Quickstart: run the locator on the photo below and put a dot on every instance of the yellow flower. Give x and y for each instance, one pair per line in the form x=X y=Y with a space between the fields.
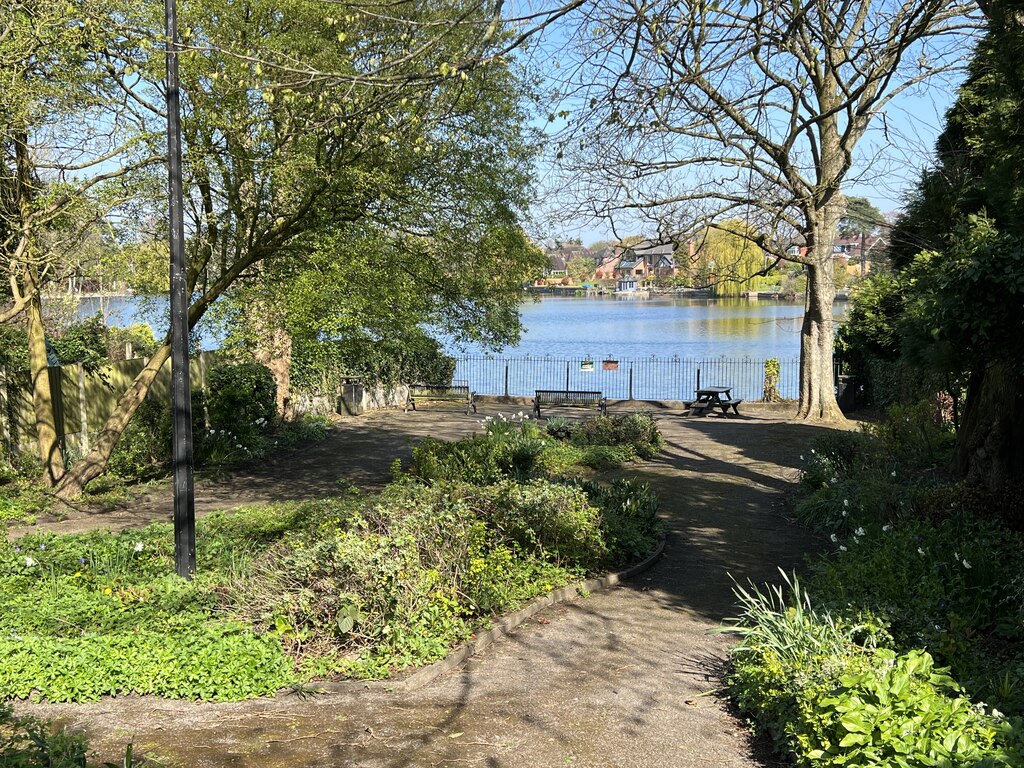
x=108 y=591
x=78 y=575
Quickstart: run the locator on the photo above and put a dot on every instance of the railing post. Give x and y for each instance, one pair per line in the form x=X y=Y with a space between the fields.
x=698 y=378
x=506 y=379
x=566 y=375
x=630 y=381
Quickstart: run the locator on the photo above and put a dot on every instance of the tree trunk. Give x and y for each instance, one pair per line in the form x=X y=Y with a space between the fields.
x=273 y=348
x=95 y=463
x=990 y=442
x=817 y=377
x=48 y=446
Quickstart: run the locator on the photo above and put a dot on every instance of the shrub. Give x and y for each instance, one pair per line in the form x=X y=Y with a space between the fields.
x=827 y=700
x=629 y=519
x=638 y=430
x=145 y=445
x=241 y=399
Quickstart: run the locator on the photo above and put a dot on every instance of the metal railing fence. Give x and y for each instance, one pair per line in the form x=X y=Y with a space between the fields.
x=650 y=378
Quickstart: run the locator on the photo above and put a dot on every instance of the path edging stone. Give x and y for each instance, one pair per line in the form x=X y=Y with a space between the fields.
x=501 y=627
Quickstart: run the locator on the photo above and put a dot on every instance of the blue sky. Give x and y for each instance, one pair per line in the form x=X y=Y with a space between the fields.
x=889 y=159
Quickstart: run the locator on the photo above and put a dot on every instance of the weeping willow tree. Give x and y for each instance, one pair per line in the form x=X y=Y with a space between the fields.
x=728 y=260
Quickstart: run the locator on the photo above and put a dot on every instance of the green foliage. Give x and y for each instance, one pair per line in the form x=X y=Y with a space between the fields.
x=96 y=614
x=145 y=446
x=772 y=373
x=13 y=347
x=320 y=366
x=516 y=448
x=358 y=586
x=84 y=342
x=380 y=583
x=874 y=476
x=26 y=742
x=827 y=695
x=639 y=431
x=242 y=397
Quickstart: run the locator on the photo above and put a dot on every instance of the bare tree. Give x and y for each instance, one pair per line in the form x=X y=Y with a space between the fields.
x=691 y=112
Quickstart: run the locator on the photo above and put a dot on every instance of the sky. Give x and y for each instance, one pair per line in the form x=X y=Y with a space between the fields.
x=889 y=158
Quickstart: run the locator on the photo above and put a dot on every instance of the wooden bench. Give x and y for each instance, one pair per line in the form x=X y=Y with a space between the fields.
x=570 y=398
x=452 y=393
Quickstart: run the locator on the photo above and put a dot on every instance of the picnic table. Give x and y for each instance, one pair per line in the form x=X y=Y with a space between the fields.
x=710 y=398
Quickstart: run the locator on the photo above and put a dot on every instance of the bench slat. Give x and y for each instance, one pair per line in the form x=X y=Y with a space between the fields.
x=569 y=397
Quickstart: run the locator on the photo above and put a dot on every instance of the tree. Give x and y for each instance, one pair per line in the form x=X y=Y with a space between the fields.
x=580 y=269
x=691 y=113
x=957 y=297
x=727 y=258
x=70 y=143
x=860 y=218
x=302 y=120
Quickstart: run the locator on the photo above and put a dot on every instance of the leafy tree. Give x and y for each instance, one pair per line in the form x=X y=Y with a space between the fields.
x=304 y=120
x=580 y=269
x=955 y=304
x=70 y=143
x=729 y=253
x=860 y=218
x=688 y=113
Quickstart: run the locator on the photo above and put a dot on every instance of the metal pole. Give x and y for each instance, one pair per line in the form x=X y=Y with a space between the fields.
x=506 y=379
x=630 y=381
x=181 y=401
x=698 y=378
x=567 y=377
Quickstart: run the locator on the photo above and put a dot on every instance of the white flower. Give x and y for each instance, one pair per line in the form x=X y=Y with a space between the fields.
x=801 y=457
x=812 y=450
x=846 y=502
x=844 y=513
x=886 y=528
x=967 y=565
x=138 y=546
x=859 y=532
x=956 y=555
x=893 y=473
x=996 y=712
x=920 y=552
x=834 y=538
x=842 y=548
x=29 y=561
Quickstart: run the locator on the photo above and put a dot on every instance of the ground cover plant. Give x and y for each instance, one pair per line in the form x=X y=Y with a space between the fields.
x=359 y=585
x=912 y=652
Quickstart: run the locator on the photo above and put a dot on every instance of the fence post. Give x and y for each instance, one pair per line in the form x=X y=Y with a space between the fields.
x=698 y=378
x=506 y=379
x=83 y=405
x=567 y=376
x=5 y=429
x=630 y=381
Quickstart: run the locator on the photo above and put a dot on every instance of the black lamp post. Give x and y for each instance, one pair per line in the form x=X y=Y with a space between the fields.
x=181 y=400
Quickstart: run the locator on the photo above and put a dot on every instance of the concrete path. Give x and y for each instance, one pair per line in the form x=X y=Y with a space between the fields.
x=623 y=678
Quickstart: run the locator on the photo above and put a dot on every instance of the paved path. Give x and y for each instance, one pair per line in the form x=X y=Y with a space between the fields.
x=623 y=678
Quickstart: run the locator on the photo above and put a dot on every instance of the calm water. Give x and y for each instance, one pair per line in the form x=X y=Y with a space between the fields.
x=603 y=327
x=663 y=346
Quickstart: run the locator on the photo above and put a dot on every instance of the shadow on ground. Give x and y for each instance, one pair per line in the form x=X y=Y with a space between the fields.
x=626 y=677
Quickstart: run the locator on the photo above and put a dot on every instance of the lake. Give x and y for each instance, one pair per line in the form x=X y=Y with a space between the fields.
x=570 y=327
x=654 y=348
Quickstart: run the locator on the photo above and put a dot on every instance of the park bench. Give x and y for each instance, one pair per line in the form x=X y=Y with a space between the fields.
x=451 y=393
x=570 y=398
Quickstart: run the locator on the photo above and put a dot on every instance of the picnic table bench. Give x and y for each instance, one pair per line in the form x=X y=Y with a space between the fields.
x=454 y=393
x=709 y=398
x=571 y=398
